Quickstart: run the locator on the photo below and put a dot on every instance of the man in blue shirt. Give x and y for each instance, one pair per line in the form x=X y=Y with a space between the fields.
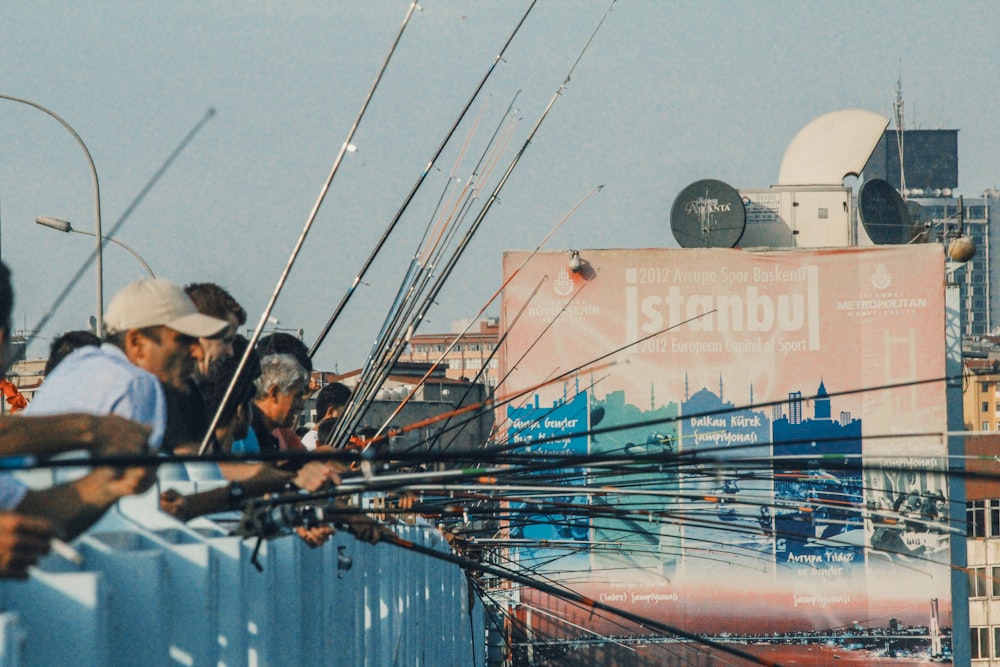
x=65 y=510
x=152 y=337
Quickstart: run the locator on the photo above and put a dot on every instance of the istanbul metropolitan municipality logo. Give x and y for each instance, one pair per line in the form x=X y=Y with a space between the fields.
x=881 y=278
x=563 y=284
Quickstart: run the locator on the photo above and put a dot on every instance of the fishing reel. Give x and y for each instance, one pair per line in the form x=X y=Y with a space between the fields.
x=268 y=520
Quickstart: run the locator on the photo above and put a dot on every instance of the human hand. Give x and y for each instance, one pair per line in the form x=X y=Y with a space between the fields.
x=317 y=536
x=117 y=436
x=174 y=504
x=23 y=540
x=104 y=485
x=315 y=475
x=364 y=528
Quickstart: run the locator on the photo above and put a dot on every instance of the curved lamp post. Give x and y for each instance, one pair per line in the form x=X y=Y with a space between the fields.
x=99 y=326
x=66 y=226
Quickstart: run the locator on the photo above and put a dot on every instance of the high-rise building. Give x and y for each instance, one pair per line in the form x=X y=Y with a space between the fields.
x=930 y=160
x=927 y=175
x=979 y=217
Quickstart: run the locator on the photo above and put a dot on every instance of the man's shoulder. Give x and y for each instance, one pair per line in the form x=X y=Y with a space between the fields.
x=88 y=377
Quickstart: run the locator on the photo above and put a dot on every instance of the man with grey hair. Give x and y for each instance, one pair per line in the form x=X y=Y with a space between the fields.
x=281 y=390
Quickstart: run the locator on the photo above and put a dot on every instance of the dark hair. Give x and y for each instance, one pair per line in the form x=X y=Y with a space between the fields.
x=210 y=299
x=66 y=343
x=6 y=297
x=213 y=387
x=333 y=395
x=285 y=343
x=118 y=338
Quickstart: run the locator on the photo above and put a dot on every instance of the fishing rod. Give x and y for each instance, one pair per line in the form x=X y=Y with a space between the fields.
x=391 y=339
x=496 y=348
x=266 y=522
x=482 y=310
x=416 y=186
x=446 y=427
x=305 y=229
x=383 y=356
x=642 y=423
x=500 y=598
x=487 y=206
x=119 y=222
x=569 y=595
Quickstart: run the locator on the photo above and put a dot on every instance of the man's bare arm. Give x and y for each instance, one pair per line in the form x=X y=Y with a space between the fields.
x=47 y=435
x=74 y=507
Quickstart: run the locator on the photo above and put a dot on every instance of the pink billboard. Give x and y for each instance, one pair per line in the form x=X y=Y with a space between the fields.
x=776 y=419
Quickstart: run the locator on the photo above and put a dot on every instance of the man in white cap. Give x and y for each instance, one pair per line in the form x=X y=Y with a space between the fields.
x=29 y=519
x=152 y=337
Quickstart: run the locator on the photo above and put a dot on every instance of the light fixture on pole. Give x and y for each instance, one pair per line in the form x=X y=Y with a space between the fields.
x=99 y=325
x=66 y=226
x=575 y=263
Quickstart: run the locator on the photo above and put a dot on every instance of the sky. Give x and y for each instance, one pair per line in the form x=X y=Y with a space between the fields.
x=665 y=94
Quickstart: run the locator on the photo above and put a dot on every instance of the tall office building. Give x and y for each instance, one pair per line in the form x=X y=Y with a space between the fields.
x=928 y=177
x=980 y=306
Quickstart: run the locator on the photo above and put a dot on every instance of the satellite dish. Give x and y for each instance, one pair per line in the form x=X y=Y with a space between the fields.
x=884 y=213
x=921 y=223
x=708 y=214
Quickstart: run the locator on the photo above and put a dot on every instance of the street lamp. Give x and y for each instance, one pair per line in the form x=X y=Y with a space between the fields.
x=99 y=326
x=65 y=226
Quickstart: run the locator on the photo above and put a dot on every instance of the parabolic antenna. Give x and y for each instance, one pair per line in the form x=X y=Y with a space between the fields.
x=884 y=213
x=708 y=214
x=922 y=223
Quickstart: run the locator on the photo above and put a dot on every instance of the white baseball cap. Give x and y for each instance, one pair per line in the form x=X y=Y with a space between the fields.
x=154 y=302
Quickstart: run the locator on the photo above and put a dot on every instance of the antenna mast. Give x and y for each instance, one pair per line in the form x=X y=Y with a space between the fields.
x=897 y=108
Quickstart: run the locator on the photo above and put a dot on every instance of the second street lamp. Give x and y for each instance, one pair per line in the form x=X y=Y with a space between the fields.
x=66 y=226
x=98 y=234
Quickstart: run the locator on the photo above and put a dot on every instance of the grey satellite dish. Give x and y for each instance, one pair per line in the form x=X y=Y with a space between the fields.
x=920 y=231
x=884 y=213
x=708 y=214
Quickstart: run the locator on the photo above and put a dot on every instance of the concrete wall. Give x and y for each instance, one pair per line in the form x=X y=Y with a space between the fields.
x=152 y=591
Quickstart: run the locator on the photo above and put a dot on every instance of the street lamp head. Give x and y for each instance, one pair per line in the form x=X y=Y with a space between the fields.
x=54 y=223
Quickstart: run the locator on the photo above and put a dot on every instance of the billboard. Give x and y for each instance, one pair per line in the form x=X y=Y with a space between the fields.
x=777 y=406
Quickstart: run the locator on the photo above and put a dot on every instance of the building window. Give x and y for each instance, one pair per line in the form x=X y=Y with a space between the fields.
x=994 y=510
x=984 y=386
x=975 y=519
x=979 y=646
x=996 y=641
x=996 y=583
x=977 y=582
x=458 y=348
x=986 y=406
x=985 y=426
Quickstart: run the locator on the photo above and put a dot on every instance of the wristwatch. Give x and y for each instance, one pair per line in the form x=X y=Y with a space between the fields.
x=237 y=494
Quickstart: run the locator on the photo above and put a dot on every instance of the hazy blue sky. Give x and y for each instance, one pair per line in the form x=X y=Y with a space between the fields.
x=669 y=92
